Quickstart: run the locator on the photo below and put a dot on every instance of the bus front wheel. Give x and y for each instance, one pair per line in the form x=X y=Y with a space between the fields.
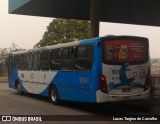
x=18 y=88
x=54 y=95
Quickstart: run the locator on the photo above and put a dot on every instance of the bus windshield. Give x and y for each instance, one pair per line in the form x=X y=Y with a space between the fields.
x=122 y=51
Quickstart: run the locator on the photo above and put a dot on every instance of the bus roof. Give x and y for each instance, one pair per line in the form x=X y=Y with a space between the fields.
x=63 y=45
x=19 y=52
x=81 y=42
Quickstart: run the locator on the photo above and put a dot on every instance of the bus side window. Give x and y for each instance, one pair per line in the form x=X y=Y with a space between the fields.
x=27 y=61
x=21 y=64
x=68 y=58
x=30 y=61
x=84 y=58
x=44 y=60
x=10 y=63
x=38 y=60
x=16 y=61
x=36 y=63
x=55 y=61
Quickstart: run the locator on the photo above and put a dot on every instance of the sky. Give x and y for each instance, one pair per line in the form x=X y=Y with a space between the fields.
x=26 y=31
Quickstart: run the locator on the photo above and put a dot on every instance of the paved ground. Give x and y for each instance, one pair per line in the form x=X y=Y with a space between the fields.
x=13 y=104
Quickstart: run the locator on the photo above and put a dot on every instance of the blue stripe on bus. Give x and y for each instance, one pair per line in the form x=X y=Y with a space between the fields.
x=75 y=86
x=92 y=40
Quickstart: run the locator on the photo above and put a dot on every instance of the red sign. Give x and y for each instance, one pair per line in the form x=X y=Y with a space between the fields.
x=124 y=50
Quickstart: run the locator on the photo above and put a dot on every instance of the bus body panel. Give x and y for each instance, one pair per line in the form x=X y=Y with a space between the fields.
x=12 y=77
x=36 y=81
x=126 y=69
x=125 y=80
x=121 y=91
x=75 y=86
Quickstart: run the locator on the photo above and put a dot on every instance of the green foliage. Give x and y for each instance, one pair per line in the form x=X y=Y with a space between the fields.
x=64 y=30
x=3 y=61
x=14 y=47
x=3 y=55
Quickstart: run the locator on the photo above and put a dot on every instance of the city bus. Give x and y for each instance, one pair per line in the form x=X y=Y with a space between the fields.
x=96 y=70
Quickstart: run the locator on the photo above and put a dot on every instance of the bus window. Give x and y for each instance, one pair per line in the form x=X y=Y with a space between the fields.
x=44 y=60
x=67 y=58
x=22 y=64
x=10 y=63
x=30 y=61
x=16 y=61
x=84 y=58
x=55 y=59
x=36 y=62
x=27 y=61
x=29 y=58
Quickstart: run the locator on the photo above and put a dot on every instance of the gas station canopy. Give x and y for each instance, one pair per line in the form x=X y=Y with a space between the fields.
x=141 y=12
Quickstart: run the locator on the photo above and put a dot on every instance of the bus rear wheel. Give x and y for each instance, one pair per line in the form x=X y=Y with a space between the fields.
x=54 y=95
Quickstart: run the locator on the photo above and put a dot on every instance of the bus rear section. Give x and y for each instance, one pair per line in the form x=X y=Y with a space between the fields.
x=125 y=69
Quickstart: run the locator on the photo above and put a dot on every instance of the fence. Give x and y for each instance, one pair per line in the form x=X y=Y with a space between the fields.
x=156 y=84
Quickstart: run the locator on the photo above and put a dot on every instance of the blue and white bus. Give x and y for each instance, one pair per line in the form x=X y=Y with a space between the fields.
x=96 y=70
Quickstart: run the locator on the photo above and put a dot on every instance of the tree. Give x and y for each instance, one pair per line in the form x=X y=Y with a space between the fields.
x=3 y=60
x=14 y=47
x=4 y=57
x=64 y=30
x=3 y=54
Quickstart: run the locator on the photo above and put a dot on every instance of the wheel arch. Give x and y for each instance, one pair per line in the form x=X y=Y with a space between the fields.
x=50 y=86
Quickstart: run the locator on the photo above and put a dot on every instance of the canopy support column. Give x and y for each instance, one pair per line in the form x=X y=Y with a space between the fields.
x=94 y=17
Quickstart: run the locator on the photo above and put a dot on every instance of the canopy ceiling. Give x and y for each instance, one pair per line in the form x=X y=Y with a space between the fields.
x=142 y=12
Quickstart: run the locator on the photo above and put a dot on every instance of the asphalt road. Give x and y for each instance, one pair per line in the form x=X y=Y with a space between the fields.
x=73 y=112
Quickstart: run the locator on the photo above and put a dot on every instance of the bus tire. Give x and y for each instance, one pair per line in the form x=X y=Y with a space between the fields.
x=54 y=95
x=18 y=88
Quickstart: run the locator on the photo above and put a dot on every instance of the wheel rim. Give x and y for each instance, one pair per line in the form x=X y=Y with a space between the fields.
x=18 y=88
x=54 y=95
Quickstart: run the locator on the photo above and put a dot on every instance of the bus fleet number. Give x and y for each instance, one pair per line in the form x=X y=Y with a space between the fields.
x=140 y=74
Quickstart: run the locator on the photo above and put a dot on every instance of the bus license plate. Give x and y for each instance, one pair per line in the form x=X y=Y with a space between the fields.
x=126 y=90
